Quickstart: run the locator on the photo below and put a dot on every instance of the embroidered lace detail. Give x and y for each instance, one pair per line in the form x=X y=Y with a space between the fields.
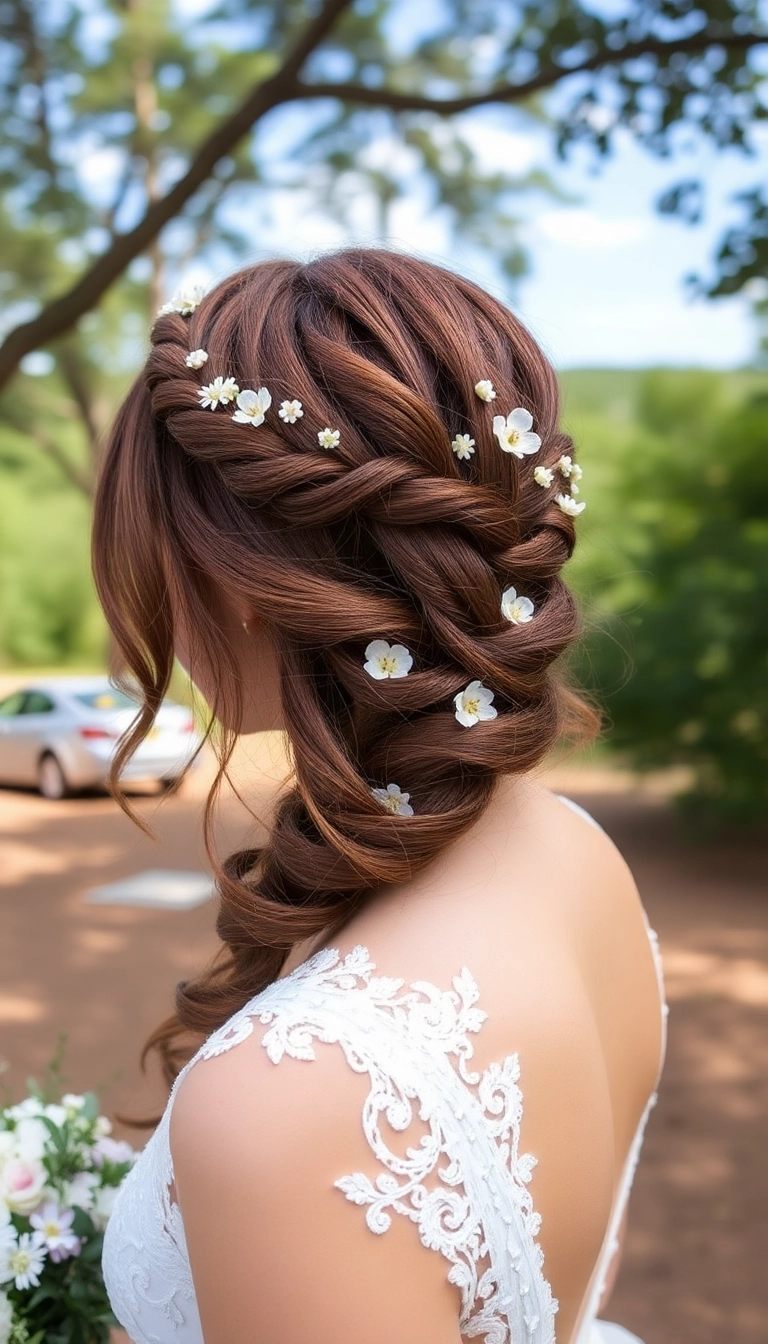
x=461 y=1180
x=479 y=1214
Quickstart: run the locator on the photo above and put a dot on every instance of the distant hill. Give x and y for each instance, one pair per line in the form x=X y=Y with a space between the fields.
x=613 y=392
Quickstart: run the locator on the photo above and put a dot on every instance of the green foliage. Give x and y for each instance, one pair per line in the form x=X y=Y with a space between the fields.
x=49 y=615
x=674 y=575
x=105 y=108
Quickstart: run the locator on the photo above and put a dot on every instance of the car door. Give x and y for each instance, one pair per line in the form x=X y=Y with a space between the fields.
x=12 y=728
x=36 y=722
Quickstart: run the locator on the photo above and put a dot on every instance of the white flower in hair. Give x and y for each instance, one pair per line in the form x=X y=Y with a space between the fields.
x=196 y=359
x=518 y=610
x=543 y=475
x=328 y=438
x=252 y=406
x=485 y=390
x=576 y=473
x=569 y=505
x=393 y=800
x=463 y=446
x=564 y=465
x=387 y=660
x=220 y=391
x=514 y=433
x=184 y=301
x=290 y=411
x=474 y=704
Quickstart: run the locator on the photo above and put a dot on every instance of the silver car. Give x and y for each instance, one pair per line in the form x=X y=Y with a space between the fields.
x=60 y=734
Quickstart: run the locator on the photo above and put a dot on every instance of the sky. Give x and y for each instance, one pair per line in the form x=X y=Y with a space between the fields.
x=606 y=280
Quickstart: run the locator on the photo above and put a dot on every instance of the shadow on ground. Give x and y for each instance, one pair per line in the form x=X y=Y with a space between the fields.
x=694 y=1266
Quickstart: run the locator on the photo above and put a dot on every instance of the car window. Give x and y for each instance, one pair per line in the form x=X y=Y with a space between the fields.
x=108 y=698
x=38 y=703
x=12 y=705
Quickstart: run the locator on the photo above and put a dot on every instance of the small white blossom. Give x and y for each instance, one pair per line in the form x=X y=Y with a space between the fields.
x=184 y=301
x=221 y=390
x=111 y=1150
x=196 y=359
x=8 y=1237
x=56 y=1112
x=576 y=473
x=485 y=390
x=569 y=505
x=564 y=465
x=518 y=610
x=393 y=800
x=103 y=1125
x=290 y=411
x=543 y=475
x=54 y=1224
x=387 y=660
x=252 y=406
x=73 y=1101
x=574 y=487
x=29 y=1106
x=80 y=1192
x=23 y=1263
x=463 y=446
x=474 y=704
x=514 y=433
x=328 y=438
x=31 y=1137
x=6 y=1318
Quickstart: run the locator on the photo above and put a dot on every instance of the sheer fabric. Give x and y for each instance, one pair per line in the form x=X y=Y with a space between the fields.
x=464 y=1183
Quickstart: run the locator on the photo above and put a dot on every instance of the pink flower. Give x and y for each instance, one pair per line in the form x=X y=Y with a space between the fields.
x=22 y=1183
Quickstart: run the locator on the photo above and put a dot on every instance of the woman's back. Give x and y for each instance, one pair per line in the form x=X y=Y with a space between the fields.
x=537 y=903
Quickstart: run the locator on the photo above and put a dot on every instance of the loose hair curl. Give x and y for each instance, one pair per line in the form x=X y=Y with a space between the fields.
x=388 y=535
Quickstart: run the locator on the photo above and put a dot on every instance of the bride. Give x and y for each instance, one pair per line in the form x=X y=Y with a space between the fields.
x=408 y=1095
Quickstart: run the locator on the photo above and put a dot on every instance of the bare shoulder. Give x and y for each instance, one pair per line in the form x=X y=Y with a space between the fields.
x=276 y=1249
x=609 y=926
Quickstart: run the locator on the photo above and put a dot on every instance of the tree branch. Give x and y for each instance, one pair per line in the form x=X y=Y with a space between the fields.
x=73 y=473
x=370 y=96
x=284 y=87
x=74 y=376
x=64 y=312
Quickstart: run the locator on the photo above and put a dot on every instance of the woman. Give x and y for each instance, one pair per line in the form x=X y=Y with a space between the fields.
x=339 y=494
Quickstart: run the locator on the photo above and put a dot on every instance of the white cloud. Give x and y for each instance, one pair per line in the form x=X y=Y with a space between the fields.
x=587 y=231
x=497 y=148
x=639 y=332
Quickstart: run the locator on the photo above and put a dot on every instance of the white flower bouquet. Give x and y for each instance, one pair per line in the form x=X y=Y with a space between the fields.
x=59 y=1173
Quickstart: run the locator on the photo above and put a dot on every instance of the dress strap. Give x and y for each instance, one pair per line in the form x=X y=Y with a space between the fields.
x=582 y=811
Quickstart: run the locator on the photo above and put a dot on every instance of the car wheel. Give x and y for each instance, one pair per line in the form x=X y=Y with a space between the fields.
x=51 y=780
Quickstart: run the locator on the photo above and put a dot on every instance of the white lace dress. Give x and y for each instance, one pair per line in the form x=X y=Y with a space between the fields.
x=465 y=1187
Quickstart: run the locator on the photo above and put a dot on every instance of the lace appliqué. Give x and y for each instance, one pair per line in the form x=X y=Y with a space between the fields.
x=479 y=1214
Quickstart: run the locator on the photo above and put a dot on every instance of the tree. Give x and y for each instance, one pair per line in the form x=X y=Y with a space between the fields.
x=679 y=646
x=174 y=103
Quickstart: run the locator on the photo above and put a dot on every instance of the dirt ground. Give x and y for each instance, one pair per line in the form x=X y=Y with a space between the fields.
x=695 y=1263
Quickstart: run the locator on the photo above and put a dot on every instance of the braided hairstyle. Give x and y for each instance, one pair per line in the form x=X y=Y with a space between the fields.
x=388 y=535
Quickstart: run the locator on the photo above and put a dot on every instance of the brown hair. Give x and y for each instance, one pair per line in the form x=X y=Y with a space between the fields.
x=389 y=535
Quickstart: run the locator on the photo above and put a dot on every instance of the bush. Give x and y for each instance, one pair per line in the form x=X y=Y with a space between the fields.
x=679 y=646
x=48 y=614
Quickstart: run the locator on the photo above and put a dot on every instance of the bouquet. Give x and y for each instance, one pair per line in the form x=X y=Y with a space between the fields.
x=59 y=1173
